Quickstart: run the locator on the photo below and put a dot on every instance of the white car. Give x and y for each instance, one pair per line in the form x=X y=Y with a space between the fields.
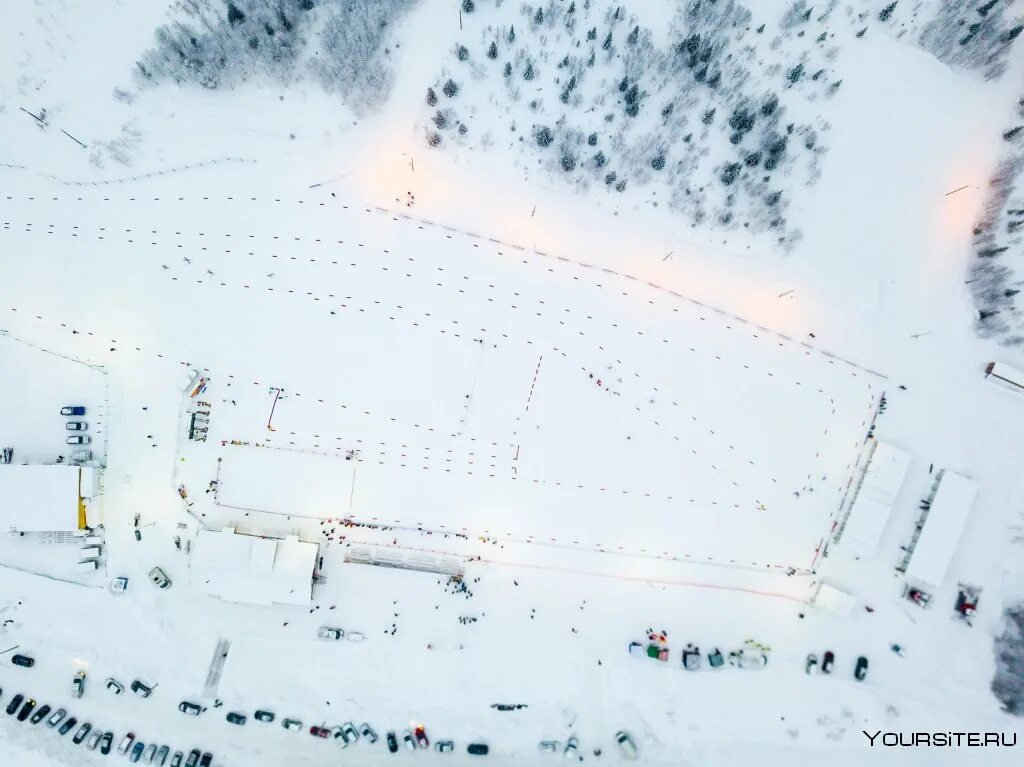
x=409 y=740
x=346 y=734
x=550 y=746
x=330 y=632
x=76 y=426
x=368 y=732
x=292 y=724
x=746 y=658
x=126 y=743
x=94 y=739
x=78 y=685
x=626 y=744
x=116 y=687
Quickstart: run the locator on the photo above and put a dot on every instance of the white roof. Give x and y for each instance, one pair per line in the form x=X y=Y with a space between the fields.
x=38 y=498
x=943 y=528
x=870 y=511
x=253 y=569
x=834 y=599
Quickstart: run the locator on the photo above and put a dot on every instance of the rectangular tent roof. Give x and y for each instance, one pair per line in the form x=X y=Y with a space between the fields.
x=870 y=511
x=38 y=498
x=943 y=528
x=253 y=569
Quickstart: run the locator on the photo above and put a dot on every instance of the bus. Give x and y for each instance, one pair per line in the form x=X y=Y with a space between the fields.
x=1005 y=374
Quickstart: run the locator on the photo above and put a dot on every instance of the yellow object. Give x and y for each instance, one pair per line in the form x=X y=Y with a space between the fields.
x=81 y=504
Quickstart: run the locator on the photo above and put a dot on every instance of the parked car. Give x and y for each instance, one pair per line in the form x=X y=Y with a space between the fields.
x=78 y=685
x=572 y=748
x=40 y=714
x=161 y=754
x=550 y=746
x=355 y=636
x=193 y=758
x=291 y=724
x=137 y=750
x=159 y=577
x=177 y=759
x=861 y=669
x=72 y=410
x=114 y=686
x=126 y=743
x=421 y=737
x=83 y=731
x=65 y=728
x=827 y=661
x=93 y=740
x=15 y=702
x=205 y=759
x=150 y=753
x=57 y=718
x=141 y=689
x=626 y=744
x=329 y=632
x=23 y=660
x=76 y=426
x=192 y=709
x=119 y=585
x=105 y=742
x=264 y=716
x=409 y=740
x=234 y=717
x=26 y=709
x=444 y=746
x=347 y=734
x=81 y=456
x=79 y=439
x=478 y=749
x=392 y=741
x=811 y=664
x=319 y=732
x=368 y=732
x=746 y=658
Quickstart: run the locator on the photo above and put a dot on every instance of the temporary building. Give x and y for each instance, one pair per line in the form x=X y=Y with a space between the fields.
x=253 y=569
x=876 y=496
x=39 y=498
x=943 y=528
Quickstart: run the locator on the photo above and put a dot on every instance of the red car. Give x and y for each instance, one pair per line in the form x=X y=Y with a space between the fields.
x=421 y=737
x=319 y=732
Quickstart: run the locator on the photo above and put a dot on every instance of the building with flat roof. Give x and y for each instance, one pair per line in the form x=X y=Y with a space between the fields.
x=253 y=569
x=37 y=498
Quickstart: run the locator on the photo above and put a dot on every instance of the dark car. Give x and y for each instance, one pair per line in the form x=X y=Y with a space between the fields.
x=177 y=759
x=192 y=709
x=83 y=731
x=72 y=410
x=861 y=669
x=206 y=759
x=478 y=749
x=235 y=718
x=421 y=737
x=26 y=710
x=264 y=716
x=137 y=750
x=193 y=758
x=67 y=726
x=15 y=702
x=40 y=714
x=392 y=742
x=106 y=742
x=161 y=755
x=141 y=689
x=319 y=732
x=827 y=661
x=23 y=660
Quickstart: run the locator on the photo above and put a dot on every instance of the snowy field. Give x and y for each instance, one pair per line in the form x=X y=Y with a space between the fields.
x=612 y=420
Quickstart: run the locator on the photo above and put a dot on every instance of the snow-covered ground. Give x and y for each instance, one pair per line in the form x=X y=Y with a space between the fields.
x=612 y=421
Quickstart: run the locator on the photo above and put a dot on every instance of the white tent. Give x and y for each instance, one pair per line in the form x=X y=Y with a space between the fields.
x=869 y=514
x=943 y=528
x=253 y=569
x=834 y=600
x=39 y=498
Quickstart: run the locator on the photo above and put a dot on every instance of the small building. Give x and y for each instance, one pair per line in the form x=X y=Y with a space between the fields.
x=253 y=569
x=40 y=498
x=869 y=513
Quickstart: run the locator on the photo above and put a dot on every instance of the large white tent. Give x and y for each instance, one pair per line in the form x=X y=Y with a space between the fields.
x=943 y=528
x=253 y=569
x=869 y=514
x=42 y=498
